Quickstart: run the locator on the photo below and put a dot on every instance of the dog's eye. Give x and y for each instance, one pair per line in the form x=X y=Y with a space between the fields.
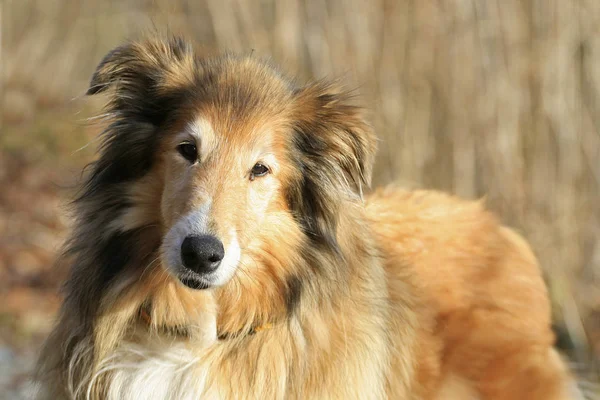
x=258 y=170
x=188 y=151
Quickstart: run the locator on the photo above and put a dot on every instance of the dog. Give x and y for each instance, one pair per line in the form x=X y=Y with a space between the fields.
x=223 y=247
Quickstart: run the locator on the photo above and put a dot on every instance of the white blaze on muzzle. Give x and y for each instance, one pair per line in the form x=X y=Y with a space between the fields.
x=196 y=223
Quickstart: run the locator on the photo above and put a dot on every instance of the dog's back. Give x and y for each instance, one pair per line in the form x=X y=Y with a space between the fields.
x=480 y=286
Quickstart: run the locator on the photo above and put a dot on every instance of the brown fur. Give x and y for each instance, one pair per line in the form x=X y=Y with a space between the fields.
x=403 y=295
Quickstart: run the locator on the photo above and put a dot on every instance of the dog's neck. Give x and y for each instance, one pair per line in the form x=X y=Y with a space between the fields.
x=145 y=316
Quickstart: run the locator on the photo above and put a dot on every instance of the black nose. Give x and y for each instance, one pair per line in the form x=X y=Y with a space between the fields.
x=202 y=254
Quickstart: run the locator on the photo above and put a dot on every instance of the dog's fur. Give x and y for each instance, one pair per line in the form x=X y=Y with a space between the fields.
x=323 y=293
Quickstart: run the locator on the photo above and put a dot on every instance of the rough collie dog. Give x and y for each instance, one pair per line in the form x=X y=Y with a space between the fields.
x=223 y=249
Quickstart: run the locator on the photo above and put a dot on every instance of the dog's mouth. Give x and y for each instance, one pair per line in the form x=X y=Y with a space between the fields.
x=191 y=279
x=195 y=283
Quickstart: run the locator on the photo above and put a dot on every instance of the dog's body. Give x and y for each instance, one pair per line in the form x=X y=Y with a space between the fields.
x=223 y=249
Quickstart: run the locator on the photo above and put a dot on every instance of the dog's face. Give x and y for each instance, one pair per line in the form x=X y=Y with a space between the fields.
x=223 y=173
x=247 y=171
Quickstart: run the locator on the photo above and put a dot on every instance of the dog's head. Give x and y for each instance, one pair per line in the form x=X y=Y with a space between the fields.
x=237 y=170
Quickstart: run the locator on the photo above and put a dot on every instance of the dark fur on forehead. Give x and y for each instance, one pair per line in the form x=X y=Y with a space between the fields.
x=334 y=150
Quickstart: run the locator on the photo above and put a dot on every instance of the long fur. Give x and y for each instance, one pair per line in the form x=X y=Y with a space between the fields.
x=403 y=295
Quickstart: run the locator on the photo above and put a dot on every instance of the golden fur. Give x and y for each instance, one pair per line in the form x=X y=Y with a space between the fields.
x=400 y=295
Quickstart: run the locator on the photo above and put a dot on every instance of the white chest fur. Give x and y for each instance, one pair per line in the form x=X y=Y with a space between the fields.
x=163 y=370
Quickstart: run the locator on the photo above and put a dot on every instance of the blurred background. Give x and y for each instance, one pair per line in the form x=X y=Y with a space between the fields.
x=494 y=98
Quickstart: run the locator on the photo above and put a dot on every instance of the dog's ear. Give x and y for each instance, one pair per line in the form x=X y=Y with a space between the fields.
x=147 y=81
x=334 y=152
x=145 y=75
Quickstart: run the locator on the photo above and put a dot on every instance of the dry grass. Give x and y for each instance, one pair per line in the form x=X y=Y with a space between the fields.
x=477 y=97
